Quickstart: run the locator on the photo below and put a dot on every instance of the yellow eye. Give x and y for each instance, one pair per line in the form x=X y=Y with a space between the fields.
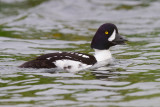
x=106 y=32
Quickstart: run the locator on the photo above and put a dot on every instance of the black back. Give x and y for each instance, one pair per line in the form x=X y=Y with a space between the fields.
x=43 y=62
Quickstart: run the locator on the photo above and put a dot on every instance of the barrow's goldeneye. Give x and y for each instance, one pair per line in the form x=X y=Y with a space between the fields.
x=106 y=36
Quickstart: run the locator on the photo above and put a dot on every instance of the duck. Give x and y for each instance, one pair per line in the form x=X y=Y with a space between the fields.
x=105 y=37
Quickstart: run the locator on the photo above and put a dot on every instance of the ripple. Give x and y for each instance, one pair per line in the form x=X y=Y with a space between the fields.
x=58 y=25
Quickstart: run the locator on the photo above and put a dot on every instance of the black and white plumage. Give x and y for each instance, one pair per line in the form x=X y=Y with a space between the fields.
x=106 y=36
x=70 y=61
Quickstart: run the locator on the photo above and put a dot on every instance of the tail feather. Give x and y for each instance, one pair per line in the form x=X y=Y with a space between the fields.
x=38 y=64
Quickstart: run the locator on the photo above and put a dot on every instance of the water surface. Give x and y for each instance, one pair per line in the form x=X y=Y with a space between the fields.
x=29 y=28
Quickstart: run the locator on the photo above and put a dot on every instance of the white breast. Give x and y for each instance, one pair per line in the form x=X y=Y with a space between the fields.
x=70 y=65
x=102 y=55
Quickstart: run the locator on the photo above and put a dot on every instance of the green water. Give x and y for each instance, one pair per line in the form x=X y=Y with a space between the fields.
x=29 y=28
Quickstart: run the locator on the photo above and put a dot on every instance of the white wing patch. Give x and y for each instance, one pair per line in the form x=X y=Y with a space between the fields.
x=48 y=58
x=80 y=54
x=85 y=56
x=70 y=65
x=113 y=36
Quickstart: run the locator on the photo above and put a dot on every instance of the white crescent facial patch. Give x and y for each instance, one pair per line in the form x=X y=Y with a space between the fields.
x=113 y=36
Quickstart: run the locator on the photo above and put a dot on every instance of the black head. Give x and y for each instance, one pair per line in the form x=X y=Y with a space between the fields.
x=106 y=36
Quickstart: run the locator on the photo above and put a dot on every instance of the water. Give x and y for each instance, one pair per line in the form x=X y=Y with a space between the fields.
x=29 y=28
